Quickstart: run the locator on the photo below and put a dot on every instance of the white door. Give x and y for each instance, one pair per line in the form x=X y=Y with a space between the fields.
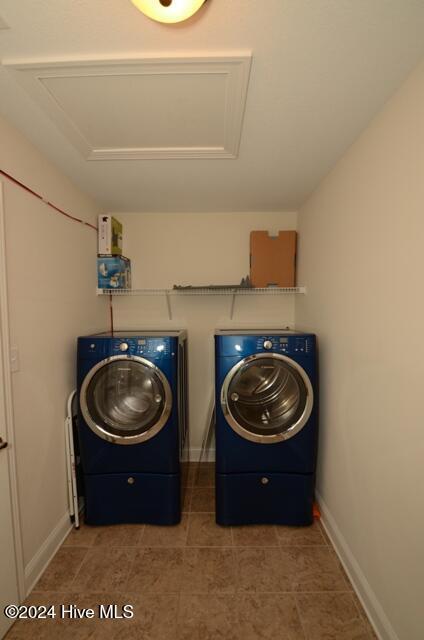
x=267 y=398
x=8 y=568
x=126 y=399
x=9 y=580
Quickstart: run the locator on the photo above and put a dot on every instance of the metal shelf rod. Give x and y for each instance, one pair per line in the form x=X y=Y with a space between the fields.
x=202 y=291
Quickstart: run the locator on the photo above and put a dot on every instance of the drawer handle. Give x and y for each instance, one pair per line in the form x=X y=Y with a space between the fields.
x=131 y=480
x=264 y=480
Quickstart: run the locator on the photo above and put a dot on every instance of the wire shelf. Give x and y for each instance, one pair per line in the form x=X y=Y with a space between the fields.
x=203 y=291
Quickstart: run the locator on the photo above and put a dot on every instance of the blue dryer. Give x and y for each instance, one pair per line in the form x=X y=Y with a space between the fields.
x=132 y=425
x=266 y=427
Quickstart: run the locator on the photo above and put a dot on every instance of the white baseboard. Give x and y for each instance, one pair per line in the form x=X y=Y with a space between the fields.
x=366 y=595
x=41 y=559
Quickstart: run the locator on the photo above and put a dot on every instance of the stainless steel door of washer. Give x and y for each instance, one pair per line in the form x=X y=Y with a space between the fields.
x=267 y=398
x=125 y=399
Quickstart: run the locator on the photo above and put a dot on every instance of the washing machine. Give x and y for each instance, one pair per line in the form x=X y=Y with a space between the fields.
x=132 y=425
x=266 y=427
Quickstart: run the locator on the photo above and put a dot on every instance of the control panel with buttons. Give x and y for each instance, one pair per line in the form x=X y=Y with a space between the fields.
x=151 y=347
x=289 y=344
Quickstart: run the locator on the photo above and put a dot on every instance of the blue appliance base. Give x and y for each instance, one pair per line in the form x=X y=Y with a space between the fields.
x=149 y=498
x=265 y=498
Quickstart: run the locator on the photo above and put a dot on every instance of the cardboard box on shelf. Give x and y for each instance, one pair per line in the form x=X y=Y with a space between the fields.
x=113 y=272
x=273 y=259
x=109 y=236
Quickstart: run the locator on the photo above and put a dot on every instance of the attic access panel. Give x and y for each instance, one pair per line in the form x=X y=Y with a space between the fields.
x=143 y=108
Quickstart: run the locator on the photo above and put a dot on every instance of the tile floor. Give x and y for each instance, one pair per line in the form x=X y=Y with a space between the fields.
x=198 y=581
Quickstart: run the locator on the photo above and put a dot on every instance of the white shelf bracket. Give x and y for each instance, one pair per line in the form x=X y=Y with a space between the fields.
x=233 y=300
x=168 y=304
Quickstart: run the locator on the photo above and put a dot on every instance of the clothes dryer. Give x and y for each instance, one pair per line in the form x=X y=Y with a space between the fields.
x=266 y=427
x=132 y=425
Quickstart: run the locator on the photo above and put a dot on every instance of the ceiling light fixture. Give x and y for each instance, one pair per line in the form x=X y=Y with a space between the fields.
x=169 y=11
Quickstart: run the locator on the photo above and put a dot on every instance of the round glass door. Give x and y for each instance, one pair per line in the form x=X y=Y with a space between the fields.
x=126 y=399
x=267 y=398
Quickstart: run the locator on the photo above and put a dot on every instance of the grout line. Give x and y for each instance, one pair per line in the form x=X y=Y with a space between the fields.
x=302 y=546
x=184 y=546
x=178 y=609
x=59 y=589
x=140 y=537
x=132 y=565
x=296 y=604
x=362 y=614
x=191 y=498
x=236 y=570
x=80 y=564
x=180 y=591
x=208 y=546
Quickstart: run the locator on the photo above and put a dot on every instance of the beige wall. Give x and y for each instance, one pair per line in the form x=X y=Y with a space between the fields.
x=198 y=249
x=361 y=256
x=51 y=289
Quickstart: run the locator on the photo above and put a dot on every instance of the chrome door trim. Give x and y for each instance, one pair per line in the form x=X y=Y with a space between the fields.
x=276 y=437
x=141 y=437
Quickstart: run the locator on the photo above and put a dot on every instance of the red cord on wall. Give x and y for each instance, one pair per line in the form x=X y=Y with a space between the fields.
x=63 y=213
x=50 y=204
x=111 y=313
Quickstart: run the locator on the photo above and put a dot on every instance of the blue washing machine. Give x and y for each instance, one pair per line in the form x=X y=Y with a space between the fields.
x=266 y=427
x=132 y=424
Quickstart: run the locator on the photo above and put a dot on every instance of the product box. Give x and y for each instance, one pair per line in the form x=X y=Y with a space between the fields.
x=273 y=259
x=113 y=272
x=110 y=236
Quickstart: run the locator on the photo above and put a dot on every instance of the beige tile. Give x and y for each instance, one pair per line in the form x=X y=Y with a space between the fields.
x=82 y=537
x=269 y=617
x=204 y=532
x=255 y=536
x=154 y=618
x=97 y=628
x=118 y=535
x=62 y=569
x=298 y=536
x=203 y=500
x=67 y=628
x=47 y=629
x=176 y=536
x=186 y=499
x=313 y=569
x=341 y=568
x=363 y=615
x=261 y=570
x=188 y=471
x=104 y=569
x=323 y=532
x=208 y=570
x=331 y=616
x=204 y=475
x=156 y=571
x=207 y=617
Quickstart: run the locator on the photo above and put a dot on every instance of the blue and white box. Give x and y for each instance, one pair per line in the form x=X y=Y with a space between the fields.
x=113 y=272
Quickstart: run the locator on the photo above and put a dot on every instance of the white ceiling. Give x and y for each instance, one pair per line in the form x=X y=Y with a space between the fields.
x=321 y=69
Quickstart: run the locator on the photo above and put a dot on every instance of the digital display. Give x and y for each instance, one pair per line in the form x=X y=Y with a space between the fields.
x=284 y=340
